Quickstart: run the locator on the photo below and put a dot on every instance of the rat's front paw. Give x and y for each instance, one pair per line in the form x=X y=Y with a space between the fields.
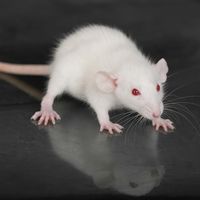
x=163 y=123
x=111 y=127
x=44 y=117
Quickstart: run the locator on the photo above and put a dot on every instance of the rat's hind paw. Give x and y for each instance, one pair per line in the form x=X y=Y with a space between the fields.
x=44 y=117
x=166 y=124
x=111 y=127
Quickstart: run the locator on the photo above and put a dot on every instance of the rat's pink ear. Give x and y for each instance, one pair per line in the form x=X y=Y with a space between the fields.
x=162 y=68
x=106 y=82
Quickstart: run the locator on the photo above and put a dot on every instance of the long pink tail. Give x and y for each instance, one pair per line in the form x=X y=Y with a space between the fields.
x=21 y=69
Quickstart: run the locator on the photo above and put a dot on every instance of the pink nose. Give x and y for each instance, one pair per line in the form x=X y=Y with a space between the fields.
x=155 y=115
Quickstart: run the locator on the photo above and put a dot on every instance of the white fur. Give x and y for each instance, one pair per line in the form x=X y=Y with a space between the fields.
x=82 y=54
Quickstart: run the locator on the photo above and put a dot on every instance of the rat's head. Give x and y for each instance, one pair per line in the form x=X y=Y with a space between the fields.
x=137 y=88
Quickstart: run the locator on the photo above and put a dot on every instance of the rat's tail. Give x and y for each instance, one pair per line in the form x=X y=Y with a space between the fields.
x=21 y=69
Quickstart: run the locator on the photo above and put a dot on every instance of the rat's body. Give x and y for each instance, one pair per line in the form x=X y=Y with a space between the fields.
x=103 y=67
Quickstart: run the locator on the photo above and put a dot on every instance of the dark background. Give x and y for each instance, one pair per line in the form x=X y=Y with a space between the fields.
x=170 y=29
x=30 y=29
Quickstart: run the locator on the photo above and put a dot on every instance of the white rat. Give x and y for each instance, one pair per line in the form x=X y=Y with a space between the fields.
x=103 y=67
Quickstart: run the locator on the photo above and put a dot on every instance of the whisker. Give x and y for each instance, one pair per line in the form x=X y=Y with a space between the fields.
x=126 y=132
x=185 y=97
x=175 y=89
x=165 y=114
x=137 y=123
x=136 y=127
x=183 y=102
x=127 y=122
x=124 y=117
x=187 y=111
x=182 y=115
x=134 y=117
x=120 y=114
x=140 y=122
x=172 y=74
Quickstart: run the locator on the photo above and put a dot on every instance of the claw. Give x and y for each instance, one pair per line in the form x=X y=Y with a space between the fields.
x=119 y=126
x=52 y=119
x=36 y=115
x=163 y=123
x=44 y=117
x=57 y=116
x=41 y=119
x=46 y=120
x=165 y=127
x=111 y=127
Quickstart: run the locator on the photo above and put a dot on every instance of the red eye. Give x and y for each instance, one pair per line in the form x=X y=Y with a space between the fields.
x=158 y=87
x=135 y=92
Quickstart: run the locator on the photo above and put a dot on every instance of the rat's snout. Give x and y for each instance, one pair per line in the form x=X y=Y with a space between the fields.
x=157 y=110
x=152 y=111
x=156 y=114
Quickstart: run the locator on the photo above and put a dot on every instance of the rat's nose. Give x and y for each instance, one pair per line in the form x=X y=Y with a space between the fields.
x=155 y=115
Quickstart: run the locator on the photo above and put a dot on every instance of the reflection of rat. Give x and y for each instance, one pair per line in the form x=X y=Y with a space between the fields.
x=131 y=167
x=103 y=67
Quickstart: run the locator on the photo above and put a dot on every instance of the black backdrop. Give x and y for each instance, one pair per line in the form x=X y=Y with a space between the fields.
x=29 y=29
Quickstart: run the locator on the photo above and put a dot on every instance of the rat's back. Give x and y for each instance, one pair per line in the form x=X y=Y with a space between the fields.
x=91 y=36
x=86 y=51
x=95 y=45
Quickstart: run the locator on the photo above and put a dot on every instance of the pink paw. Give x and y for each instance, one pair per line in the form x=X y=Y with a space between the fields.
x=111 y=127
x=44 y=117
x=164 y=123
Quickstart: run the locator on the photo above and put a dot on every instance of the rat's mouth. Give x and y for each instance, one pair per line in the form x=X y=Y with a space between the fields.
x=147 y=113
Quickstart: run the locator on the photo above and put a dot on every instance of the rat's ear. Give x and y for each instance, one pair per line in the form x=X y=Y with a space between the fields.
x=162 y=68
x=106 y=82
